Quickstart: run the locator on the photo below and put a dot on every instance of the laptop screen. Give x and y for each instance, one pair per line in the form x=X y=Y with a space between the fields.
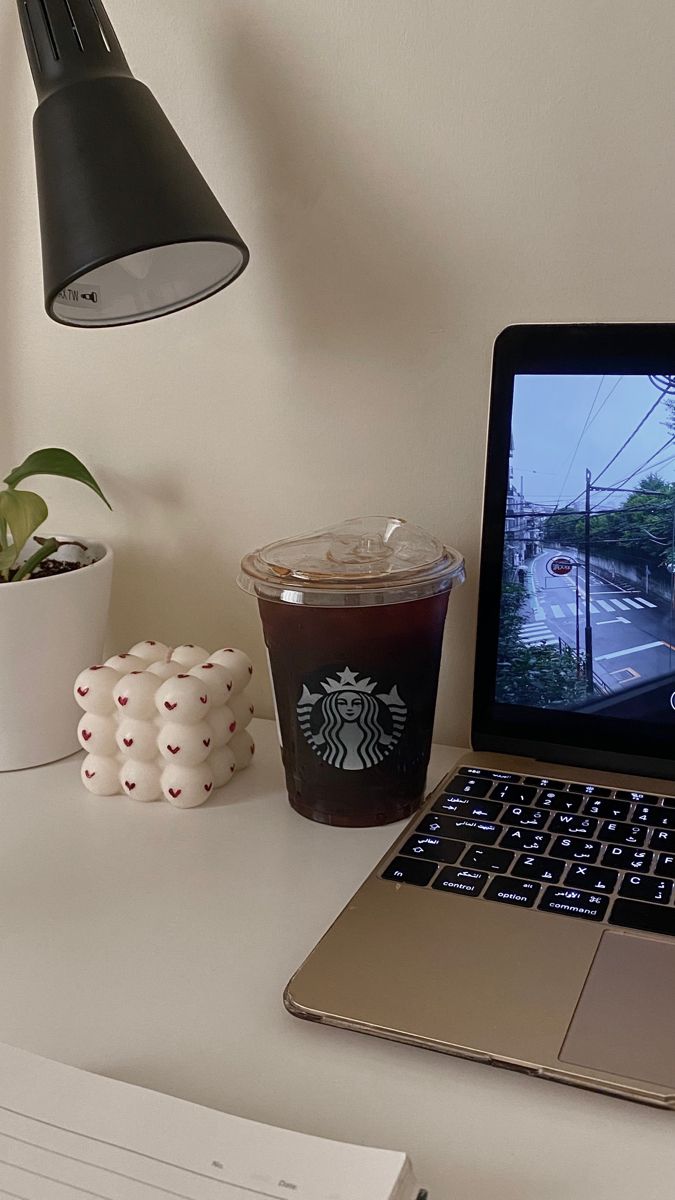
x=581 y=509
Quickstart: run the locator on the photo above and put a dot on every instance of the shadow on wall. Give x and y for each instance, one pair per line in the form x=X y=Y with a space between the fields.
x=13 y=59
x=354 y=269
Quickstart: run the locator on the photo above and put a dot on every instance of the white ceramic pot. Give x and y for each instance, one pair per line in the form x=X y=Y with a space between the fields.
x=50 y=630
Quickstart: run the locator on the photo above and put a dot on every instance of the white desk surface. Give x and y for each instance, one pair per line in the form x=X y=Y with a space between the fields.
x=153 y=945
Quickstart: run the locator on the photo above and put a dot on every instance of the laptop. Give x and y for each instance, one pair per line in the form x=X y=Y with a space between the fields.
x=525 y=917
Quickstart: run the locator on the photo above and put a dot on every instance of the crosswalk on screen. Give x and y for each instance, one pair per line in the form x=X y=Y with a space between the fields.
x=587 y=614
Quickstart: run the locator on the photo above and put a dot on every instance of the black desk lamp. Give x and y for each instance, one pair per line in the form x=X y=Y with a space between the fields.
x=130 y=228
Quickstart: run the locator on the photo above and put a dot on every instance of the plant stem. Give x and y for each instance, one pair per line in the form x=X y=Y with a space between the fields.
x=48 y=547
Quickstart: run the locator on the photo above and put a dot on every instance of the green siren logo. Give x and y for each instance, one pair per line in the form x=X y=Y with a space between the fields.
x=350 y=725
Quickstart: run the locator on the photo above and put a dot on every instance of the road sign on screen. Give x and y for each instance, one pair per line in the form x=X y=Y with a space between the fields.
x=561 y=565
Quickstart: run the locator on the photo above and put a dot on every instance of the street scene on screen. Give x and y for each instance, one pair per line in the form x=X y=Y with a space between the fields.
x=588 y=586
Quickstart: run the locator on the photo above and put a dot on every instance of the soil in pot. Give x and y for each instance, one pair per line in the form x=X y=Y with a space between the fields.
x=51 y=567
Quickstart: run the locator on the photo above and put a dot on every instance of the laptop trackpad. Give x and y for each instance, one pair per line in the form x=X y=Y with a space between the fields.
x=624 y=1020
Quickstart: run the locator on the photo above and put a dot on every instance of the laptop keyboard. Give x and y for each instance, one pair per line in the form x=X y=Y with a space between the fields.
x=575 y=849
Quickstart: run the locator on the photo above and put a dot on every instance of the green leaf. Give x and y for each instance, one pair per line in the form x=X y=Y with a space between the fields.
x=23 y=512
x=52 y=461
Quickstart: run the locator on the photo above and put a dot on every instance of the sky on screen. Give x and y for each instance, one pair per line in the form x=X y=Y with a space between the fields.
x=549 y=415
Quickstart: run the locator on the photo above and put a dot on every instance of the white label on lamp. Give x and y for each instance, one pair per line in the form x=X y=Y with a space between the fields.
x=75 y=297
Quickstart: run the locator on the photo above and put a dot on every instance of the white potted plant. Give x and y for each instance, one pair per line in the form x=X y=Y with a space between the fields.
x=54 y=598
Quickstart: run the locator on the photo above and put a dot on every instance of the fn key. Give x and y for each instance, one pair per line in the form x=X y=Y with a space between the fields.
x=410 y=870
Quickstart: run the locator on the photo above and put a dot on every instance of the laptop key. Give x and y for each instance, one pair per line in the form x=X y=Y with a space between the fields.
x=514 y=793
x=652 y=918
x=570 y=902
x=589 y=789
x=488 y=858
x=553 y=784
x=559 y=802
x=440 y=850
x=468 y=785
x=461 y=881
x=534 y=866
x=667 y=801
x=483 y=773
x=653 y=814
x=662 y=839
x=528 y=818
x=576 y=849
x=406 y=870
x=480 y=810
x=574 y=825
x=483 y=832
x=525 y=840
x=607 y=810
x=637 y=797
x=590 y=878
x=646 y=887
x=623 y=833
x=513 y=891
x=665 y=865
x=625 y=859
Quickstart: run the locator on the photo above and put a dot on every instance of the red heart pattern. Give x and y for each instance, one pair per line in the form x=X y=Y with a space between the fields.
x=207 y=787
x=170 y=706
x=90 y=774
x=206 y=742
x=175 y=792
x=233 y=726
x=86 y=734
x=173 y=749
x=128 y=785
x=123 y=700
x=204 y=699
x=83 y=691
x=128 y=741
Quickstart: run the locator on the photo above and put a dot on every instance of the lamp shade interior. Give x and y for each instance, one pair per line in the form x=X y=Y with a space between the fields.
x=147 y=284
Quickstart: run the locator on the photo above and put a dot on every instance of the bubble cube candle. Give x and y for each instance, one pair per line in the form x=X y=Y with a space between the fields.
x=165 y=723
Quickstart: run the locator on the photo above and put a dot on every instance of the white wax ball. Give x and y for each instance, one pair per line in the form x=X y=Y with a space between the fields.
x=94 y=690
x=135 y=695
x=223 y=766
x=222 y=724
x=189 y=656
x=150 y=652
x=96 y=734
x=187 y=745
x=141 y=781
x=137 y=739
x=165 y=670
x=183 y=700
x=217 y=679
x=100 y=775
x=243 y=749
x=125 y=663
x=243 y=711
x=238 y=664
x=187 y=787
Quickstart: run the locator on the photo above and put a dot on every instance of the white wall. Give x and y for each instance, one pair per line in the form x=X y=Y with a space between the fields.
x=410 y=178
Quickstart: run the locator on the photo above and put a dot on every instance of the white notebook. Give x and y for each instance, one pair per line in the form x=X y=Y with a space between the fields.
x=69 y=1135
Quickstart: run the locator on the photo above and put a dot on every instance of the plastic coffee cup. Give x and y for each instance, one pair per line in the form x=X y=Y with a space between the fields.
x=353 y=620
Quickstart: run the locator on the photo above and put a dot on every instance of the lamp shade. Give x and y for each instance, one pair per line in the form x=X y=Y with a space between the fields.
x=130 y=229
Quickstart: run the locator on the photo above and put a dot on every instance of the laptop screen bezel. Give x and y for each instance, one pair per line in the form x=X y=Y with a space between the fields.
x=554 y=734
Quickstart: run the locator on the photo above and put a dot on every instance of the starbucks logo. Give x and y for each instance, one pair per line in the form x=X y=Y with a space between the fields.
x=349 y=724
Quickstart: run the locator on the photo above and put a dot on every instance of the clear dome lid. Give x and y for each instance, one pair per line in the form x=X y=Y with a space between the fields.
x=363 y=561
